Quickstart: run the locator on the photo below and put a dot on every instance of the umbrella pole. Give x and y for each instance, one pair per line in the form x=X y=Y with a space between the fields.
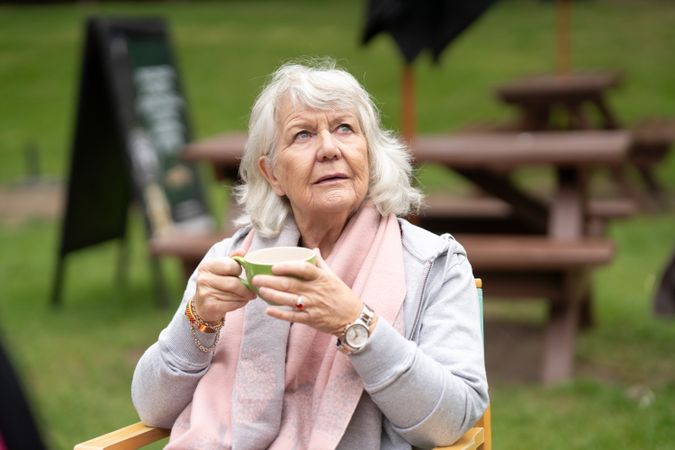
x=408 y=114
x=408 y=103
x=562 y=25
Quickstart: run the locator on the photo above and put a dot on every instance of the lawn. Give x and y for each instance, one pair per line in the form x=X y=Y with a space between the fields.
x=77 y=361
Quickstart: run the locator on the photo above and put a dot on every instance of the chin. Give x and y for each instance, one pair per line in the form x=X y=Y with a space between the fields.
x=338 y=204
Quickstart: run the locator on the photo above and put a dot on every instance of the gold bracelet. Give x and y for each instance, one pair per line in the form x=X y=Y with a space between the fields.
x=199 y=323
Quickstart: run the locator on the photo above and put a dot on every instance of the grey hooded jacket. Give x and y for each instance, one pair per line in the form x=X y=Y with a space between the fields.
x=430 y=384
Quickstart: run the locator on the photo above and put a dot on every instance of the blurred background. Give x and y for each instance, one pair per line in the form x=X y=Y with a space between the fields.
x=75 y=362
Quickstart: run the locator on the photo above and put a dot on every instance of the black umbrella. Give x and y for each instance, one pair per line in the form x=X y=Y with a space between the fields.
x=417 y=26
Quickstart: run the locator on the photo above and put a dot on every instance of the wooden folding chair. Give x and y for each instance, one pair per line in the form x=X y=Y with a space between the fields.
x=138 y=435
x=479 y=437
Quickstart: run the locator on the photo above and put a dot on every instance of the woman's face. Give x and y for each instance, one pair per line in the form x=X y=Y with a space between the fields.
x=321 y=161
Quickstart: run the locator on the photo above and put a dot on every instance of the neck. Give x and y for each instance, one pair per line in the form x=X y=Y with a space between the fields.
x=321 y=232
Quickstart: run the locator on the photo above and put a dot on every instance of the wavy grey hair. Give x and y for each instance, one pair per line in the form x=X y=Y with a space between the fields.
x=321 y=86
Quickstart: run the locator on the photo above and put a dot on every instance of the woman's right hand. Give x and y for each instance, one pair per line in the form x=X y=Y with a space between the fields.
x=219 y=290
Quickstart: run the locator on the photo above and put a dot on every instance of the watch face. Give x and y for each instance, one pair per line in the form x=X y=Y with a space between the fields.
x=356 y=335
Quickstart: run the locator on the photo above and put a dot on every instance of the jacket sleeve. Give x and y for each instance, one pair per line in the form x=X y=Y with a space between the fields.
x=440 y=378
x=168 y=372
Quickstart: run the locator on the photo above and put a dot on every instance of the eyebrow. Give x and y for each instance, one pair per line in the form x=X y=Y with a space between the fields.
x=302 y=123
x=342 y=117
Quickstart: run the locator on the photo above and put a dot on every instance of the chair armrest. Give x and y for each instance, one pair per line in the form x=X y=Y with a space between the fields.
x=471 y=440
x=139 y=435
x=130 y=437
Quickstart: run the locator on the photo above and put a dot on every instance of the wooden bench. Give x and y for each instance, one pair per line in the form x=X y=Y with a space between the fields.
x=527 y=253
x=542 y=268
x=188 y=248
x=478 y=214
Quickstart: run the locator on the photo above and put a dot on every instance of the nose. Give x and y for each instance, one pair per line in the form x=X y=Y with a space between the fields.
x=328 y=148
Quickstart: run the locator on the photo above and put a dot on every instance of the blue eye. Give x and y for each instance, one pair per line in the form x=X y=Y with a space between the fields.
x=302 y=135
x=345 y=128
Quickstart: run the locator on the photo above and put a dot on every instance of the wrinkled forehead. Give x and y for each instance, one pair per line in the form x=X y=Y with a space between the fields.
x=316 y=100
x=289 y=111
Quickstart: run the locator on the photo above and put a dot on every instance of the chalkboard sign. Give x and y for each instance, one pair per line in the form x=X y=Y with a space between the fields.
x=131 y=125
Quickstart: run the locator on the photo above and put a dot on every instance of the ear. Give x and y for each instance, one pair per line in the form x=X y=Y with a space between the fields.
x=268 y=173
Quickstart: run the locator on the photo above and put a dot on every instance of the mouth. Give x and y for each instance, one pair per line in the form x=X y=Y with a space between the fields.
x=331 y=178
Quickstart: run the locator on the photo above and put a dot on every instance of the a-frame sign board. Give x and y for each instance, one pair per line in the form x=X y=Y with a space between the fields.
x=130 y=127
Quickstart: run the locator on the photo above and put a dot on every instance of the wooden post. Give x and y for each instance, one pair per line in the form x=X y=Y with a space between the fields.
x=408 y=114
x=408 y=103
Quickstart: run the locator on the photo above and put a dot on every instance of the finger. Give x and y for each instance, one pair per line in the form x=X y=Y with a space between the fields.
x=227 y=285
x=280 y=297
x=297 y=269
x=213 y=296
x=221 y=266
x=287 y=315
x=277 y=282
x=233 y=287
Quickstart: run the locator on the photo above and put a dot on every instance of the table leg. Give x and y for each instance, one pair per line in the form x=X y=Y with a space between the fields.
x=530 y=209
x=654 y=187
x=534 y=117
x=577 y=116
x=610 y=121
x=562 y=329
x=567 y=221
x=568 y=207
x=629 y=189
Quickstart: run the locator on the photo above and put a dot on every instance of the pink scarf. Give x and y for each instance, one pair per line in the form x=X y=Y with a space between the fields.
x=272 y=385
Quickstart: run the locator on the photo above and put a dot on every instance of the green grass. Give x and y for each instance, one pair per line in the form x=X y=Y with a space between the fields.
x=77 y=362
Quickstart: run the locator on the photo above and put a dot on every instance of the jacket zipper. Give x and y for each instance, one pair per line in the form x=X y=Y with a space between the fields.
x=421 y=303
x=420 y=307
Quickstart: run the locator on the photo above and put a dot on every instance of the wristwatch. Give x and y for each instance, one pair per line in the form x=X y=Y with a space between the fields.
x=356 y=334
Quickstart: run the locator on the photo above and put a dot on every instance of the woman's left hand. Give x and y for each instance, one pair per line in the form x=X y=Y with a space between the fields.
x=329 y=304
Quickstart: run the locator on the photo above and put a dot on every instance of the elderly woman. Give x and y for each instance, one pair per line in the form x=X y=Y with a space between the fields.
x=230 y=371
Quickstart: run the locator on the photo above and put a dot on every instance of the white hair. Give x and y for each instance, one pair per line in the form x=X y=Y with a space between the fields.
x=323 y=87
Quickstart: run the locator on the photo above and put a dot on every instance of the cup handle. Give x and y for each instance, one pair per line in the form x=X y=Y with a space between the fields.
x=244 y=281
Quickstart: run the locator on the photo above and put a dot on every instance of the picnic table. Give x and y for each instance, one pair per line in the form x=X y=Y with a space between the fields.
x=576 y=94
x=572 y=101
x=485 y=159
x=553 y=257
x=552 y=261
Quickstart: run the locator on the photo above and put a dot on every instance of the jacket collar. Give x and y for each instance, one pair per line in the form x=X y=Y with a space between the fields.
x=424 y=245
